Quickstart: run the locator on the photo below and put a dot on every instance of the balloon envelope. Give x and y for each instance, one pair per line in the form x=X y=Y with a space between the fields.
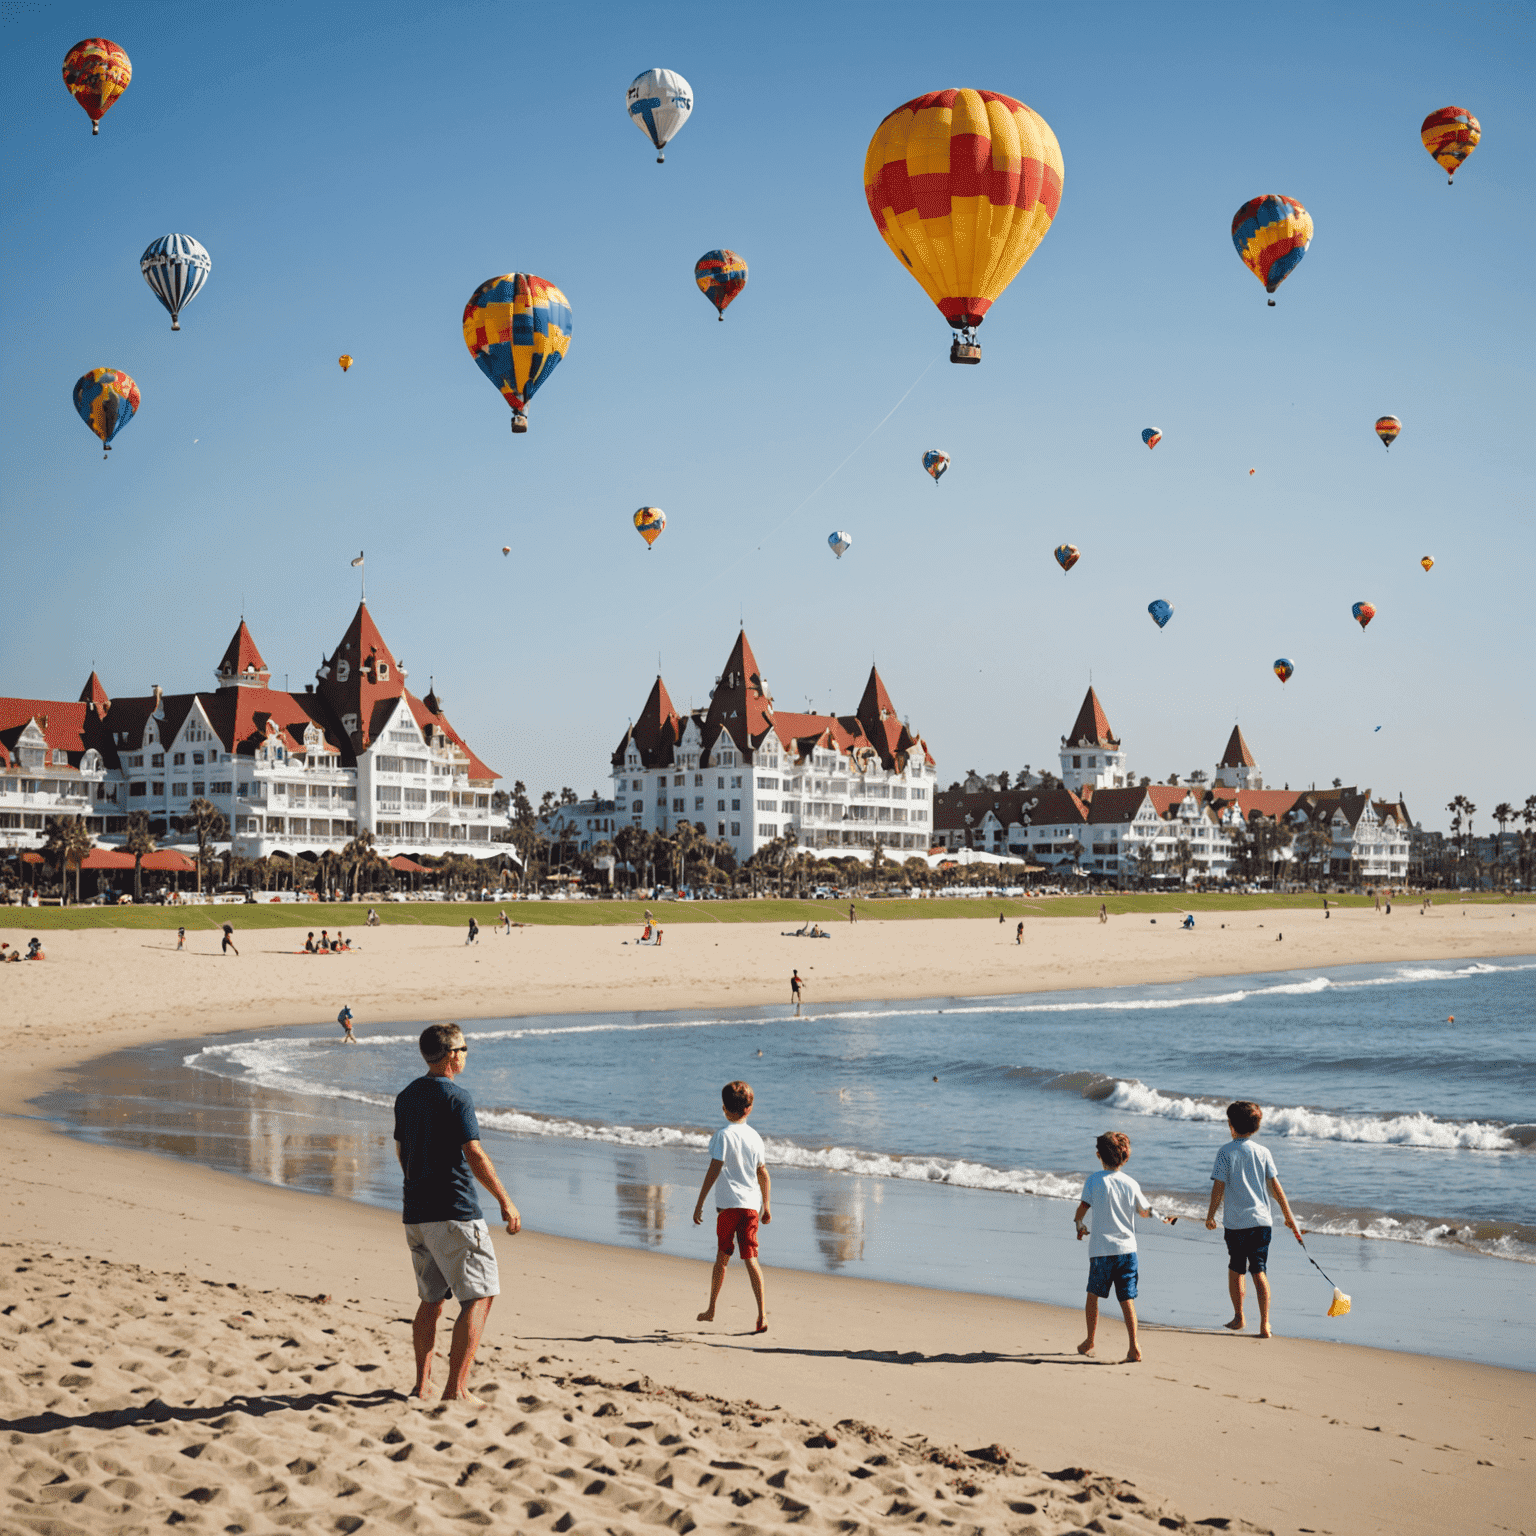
x=963 y=186
x=650 y=524
x=175 y=267
x=1283 y=669
x=1161 y=612
x=97 y=72
x=517 y=328
x=721 y=275
x=1450 y=135
x=1387 y=428
x=659 y=102
x=936 y=461
x=106 y=399
x=839 y=542
x=1363 y=613
x=1151 y=436
x=1428 y=563
x=1067 y=555
x=345 y=360
x=1271 y=234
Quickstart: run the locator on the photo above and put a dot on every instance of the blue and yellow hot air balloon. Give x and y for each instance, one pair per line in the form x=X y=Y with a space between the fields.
x=1283 y=669
x=1450 y=135
x=517 y=328
x=936 y=461
x=650 y=524
x=1151 y=436
x=1067 y=555
x=721 y=275
x=106 y=399
x=1271 y=234
x=1161 y=612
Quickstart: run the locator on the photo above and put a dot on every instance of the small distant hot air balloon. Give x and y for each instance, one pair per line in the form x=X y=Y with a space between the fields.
x=1067 y=555
x=1151 y=436
x=721 y=275
x=175 y=267
x=936 y=461
x=1387 y=428
x=1428 y=562
x=1161 y=612
x=1283 y=669
x=97 y=72
x=1450 y=135
x=345 y=360
x=517 y=328
x=1253 y=471
x=106 y=399
x=1363 y=613
x=963 y=186
x=650 y=524
x=658 y=103
x=1271 y=234
x=840 y=542
x=506 y=549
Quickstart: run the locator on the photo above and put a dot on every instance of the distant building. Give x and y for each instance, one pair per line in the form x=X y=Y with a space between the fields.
x=583 y=825
x=747 y=773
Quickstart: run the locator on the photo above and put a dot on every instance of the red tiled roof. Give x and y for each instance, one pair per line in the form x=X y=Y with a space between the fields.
x=1091 y=728
x=1271 y=803
x=1237 y=754
x=408 y=866
x=1165 y=796
x=1023 y=807
x=241 y=658
x=428 y=716
x=656 y=732
x=741 y=704
x=361 y=672
x=70 y=728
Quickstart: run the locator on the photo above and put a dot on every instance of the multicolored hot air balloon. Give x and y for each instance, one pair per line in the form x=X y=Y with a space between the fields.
x=721 y=275
x=97 y=72
x=1283 y=669
x=517 y=328
x=650 y=524
x=1428 y=562
x=175 y=267
x=840 y=542
x=1151 y=436
x=506 y=549
x=1067 y=555
x=936 y=461
x=345 y=360
x=106 y=399
x=1450 y=135
x=1253 y=472
x=1363 y=613
x=658 y=103
x=1387 y=428
x=1271 y=234
x=1161 y=612
x=963 y=186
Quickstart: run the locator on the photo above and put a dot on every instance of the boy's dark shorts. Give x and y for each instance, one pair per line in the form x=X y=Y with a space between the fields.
x=1113 y=1269
x=1248 y=1249
x=737 y=1226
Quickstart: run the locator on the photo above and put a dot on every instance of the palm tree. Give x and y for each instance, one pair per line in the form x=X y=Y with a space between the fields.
x=209 y=824
x=139 y=841
x=357 y=855
x=68 y=842
x=1503 y=814
x=1315 y=846
x=1461 y=807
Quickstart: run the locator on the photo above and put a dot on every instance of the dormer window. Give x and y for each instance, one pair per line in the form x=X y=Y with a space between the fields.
x=382 y=668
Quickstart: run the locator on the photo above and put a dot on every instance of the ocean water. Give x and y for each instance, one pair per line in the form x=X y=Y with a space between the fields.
x=944 y=1142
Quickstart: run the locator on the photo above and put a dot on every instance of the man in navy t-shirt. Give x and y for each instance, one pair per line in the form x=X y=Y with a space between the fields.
x=437 y=1140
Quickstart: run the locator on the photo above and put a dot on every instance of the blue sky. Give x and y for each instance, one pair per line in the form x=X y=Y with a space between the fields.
x=356 y=172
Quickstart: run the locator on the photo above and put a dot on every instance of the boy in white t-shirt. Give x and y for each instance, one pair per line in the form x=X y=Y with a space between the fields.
x=737 y=1165
x=1116 y=1200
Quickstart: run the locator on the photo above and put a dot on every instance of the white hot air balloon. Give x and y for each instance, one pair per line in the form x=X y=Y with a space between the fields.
x=175 y=267
x=839 y=542
x=658 y=103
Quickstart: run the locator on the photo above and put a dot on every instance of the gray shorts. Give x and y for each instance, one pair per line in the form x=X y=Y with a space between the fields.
x=453 y=1258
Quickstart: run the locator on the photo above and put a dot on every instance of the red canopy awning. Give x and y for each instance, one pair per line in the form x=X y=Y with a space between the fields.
x=107 y=858
x=31 y=858
x=166 y=860
x=408 y=866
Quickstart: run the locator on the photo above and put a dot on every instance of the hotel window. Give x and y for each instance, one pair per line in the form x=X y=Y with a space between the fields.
x=679 y=805
x=767 y=830
x=638 y=805
x=767 y=805
x=698 y=802
x=253 y=824
x=179 y=760
x=136 y=791
x=720 y=805
x=720 y=782
x=1077 y=762
x=735 y=781
x=197 y=759
x=157 y=788
x=698 y=781
x=179 y=791
x=221 y=787
x=735 y=805
x=721 y=832
x=157 y=760
x=199 y=787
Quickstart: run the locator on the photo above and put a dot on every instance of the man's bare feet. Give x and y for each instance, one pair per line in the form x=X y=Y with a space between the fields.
x=762 y=1325
x=1086 y=1347
x=1133 y=1358
x=707 y=1317
x=419 y=1395
x=1236 y=1325
x=1264 y=1333
x=466 y=1396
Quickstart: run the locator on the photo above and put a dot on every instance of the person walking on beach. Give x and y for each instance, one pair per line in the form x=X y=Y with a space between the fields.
x=228 y=945
x=1243 y=1179
x=1116 y=1200
x=181 y=938
x=794 y=990
x=437 y=1140
x=1018 y=937
x=852 y=915
x=737 y=1165
x=344 y=1018
x=473 y=936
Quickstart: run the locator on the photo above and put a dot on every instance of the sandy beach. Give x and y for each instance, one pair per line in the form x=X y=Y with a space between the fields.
x=168 y=1359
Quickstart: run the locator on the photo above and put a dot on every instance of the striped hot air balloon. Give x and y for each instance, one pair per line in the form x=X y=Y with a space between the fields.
x=176 y=267
x=1450 y=135
x=1271 y=234
x=1387 y=428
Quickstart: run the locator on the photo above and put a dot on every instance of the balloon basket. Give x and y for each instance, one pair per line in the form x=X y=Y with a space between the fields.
x=519 y=422
x=661 y=159
x=95 y=129
x=1271 y=303
x=965 y=351
x=175 y=325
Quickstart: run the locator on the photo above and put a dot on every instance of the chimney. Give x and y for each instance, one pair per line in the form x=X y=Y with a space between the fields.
x=159 y=702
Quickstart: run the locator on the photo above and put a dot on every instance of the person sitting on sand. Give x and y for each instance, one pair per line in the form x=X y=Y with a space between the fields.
x=373 y=918
x=473 y=936
x=325 y=941
x=738 y=1166
x=437 y=1140
x=35 y=949
x=1247 y=1170
x=1189 y=920
x=816 y=932
x=645 y=937
x=1116 y=1200
x=1018 y=937
x=309 y=943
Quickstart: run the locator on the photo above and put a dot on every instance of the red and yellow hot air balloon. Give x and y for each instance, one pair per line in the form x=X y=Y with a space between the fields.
x=963 y=186
x=97 y=72
x=1450 y=135
x=650 y=524
x=1387 y=428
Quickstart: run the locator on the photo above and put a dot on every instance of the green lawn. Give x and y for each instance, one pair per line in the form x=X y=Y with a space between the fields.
x=587 y=914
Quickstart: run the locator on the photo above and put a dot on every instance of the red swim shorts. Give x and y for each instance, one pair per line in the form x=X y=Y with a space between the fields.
x=738 y=1225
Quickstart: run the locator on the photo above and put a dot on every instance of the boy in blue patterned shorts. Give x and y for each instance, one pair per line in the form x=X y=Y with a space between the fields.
x=1116 y=1200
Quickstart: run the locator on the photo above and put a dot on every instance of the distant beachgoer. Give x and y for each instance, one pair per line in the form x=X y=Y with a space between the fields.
x=999 y=919
x=228 y=944
x=1248 y=1170
x=309 y=943
x=373 y=918
x=506 y=922
x=1378 y=900
x=1103 y=913
x=1018 y=937
x=181 y=938
x=1189 y=920
x=338 y=942
x=659 y=933
x=344 y=1018
x=794 y=990
x=473 y=936
x=737 y=1163
x=645 y=935
x=1279 y=938
x=325 y=941
x=852 y=915
x=35 y=949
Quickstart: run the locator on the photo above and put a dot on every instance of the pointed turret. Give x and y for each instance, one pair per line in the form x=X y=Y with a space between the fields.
x=741 y=704
x=1090 y=755
x=1091 y=728
x=882 y=725
x=242 y=666
x=1238 y=768
x=95 y=695
x=360 y=675
x=655 y=733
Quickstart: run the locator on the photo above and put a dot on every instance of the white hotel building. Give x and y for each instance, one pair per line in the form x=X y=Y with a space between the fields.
x=746 y=773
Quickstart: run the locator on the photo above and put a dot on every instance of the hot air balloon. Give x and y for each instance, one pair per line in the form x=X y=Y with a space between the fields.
x=517 y=328
x=1253 y=471
x=963 y=185
x=839 y=542
x=936 y=461
x=1428 y=562
x=97 y=72
x=1067 y=555
x=176 y=267
x=1450 y=135
x=650 y=524
x=721 y=275
x=1271 y=234
x=1151 y=436
x=345 y=360
x=1363 y=613
x=1161 y=612
x=1283 y=669
x=658 y=103
x=1387 y=428
x=106 y=399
